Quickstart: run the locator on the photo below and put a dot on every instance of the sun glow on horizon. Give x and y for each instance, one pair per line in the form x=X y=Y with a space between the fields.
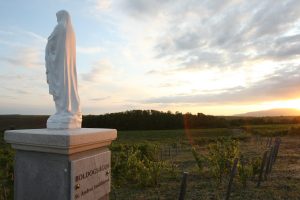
x=294 y=103
x=228 y=110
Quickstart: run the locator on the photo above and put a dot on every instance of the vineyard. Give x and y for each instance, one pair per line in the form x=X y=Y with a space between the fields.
x=220 y=163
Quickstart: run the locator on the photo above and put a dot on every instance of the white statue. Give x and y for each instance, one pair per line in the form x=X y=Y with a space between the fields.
x=61 y=74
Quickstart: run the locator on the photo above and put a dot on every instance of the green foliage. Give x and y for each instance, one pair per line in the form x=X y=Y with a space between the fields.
x=199 y=159
x=273 y=130
x=269 y=133
x=152 y=120
x=221 y=156
x=245 y=170
x=294 y=131
x=6 y=170
x=255 y=164
x=136 y=164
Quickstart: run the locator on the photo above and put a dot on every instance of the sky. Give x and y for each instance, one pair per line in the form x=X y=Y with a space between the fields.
x=219 y=57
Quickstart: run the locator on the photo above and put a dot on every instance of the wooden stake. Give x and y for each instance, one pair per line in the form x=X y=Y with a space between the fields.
x=268 y=164
x=272 y=155
x=263 y=163
x=232 y=174
x=277 y=141
x=183 y=186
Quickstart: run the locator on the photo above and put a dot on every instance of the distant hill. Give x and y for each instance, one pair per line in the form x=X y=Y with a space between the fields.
x=272 y=112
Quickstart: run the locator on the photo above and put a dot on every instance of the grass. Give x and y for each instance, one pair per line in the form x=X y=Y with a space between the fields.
x=160 y=136
x=271 y=130
x=171 y=136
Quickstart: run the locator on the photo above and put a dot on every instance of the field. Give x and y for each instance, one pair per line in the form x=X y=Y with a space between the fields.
x=173 y=150
x=282 y=183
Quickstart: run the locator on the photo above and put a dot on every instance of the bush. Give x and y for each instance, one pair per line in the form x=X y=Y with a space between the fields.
x=199 y=159
x=245 y=170
x=221 y=156
x=255 y=164
x=136 y=164
x=6 y=170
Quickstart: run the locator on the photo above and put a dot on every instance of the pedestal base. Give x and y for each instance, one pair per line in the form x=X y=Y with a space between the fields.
x=61 y=164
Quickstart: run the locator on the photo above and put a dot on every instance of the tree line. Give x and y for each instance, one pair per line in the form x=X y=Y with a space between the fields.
x=158 y=120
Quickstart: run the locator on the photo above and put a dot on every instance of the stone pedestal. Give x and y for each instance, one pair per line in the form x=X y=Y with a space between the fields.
x=61 y=164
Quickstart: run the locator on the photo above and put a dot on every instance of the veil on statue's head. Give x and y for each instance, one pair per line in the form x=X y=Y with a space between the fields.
x=63 y=17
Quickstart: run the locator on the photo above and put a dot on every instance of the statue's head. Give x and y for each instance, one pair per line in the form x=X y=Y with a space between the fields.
x=62 y=16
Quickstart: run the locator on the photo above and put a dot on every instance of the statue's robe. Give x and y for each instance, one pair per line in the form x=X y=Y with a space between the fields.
x=61 y=69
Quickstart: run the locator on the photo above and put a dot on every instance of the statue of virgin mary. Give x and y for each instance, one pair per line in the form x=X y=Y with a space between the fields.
x=61 y=74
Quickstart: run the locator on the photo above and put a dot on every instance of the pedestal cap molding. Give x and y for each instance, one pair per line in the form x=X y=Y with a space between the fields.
x=62 y=141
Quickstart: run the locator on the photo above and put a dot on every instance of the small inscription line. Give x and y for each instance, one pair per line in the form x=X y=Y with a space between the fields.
x=88 y=190
x=91 y=172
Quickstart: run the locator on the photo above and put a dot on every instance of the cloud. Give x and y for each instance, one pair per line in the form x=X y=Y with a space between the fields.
x=283 y=48
x=225 y=34
x=160 y=72
x=7 y=97
x=23 y=48
x=88 y=50
x=10 y=77
x=4 y=32
x=35 y=36
x=103 y=4
x=18 y=91
x=171 y=84
x=24 y=57
x=143 y=8
x=100 y=98
x=283 y=84
x=98 y=71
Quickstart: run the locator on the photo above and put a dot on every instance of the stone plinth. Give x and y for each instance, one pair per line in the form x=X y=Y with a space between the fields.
x=61 y=164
